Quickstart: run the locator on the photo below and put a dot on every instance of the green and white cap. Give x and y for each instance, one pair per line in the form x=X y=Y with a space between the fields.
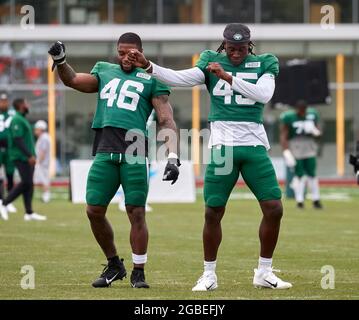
x=237 y=33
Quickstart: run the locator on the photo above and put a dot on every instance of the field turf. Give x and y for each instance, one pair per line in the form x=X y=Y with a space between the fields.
x=67 y=259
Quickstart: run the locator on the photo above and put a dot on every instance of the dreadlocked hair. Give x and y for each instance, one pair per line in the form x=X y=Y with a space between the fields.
x=251 y=46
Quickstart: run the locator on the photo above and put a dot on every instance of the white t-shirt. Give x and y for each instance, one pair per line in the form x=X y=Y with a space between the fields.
x=43 y=146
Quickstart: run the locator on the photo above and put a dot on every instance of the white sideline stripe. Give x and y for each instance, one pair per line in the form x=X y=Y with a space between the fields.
x=337 y=196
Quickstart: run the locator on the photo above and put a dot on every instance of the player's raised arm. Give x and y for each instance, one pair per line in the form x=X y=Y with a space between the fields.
x=165 y=120
x=175 y=78
x=83 y=82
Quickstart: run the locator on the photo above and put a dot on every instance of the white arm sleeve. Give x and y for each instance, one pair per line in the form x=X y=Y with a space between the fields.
x=262 y=91
x=181 y=78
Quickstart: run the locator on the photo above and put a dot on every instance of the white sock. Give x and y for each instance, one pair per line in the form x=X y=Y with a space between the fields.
x=264 y=263
x=298 y=186
x=139 y=258
x=313 y=184
x=210 y=266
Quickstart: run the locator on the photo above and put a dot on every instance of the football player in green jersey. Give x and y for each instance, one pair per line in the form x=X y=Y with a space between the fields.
x=298 y=135
x=239 y=83
x=6 y=115
x=126 y=98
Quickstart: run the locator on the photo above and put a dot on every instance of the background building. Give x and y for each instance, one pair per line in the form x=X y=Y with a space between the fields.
x=174 y=30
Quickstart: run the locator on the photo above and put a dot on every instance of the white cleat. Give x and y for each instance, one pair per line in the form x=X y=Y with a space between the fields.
x=267 y=279
x=3 y=213
x=207 y=282
x=11 y=208
x=34 y=216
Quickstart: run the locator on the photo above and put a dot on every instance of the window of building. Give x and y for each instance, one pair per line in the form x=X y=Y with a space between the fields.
x=182 y=11
x=86 y=11
x=282 y=11
x=135 y=11
x=227 y=11
x=5 y=12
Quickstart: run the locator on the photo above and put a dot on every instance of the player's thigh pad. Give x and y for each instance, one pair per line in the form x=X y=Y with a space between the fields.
x=310 y=166
x=258 y=172
x=103 y=180
x=134 y=180
x=221 y=176
x=299 y=168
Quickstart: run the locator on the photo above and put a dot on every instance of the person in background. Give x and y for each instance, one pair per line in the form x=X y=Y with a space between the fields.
x=298 y=136
x=6 y=115
x=42 y=167
x=354 y=161
x=22 y=152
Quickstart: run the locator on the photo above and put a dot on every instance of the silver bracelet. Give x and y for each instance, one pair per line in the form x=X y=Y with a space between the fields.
x=149 y=66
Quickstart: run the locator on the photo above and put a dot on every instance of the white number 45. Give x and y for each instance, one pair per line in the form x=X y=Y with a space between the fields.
x=223 y=88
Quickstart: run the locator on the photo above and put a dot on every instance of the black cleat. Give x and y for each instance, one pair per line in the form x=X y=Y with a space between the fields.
x=111 y=273
x=317 y=204
x=138 y=279
x=300 y=205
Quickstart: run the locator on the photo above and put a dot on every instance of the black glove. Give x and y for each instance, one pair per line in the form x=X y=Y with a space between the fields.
x=354 y=161
x=171 y=171
x=57 y=52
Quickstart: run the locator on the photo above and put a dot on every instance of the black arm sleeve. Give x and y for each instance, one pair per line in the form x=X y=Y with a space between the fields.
x=20 y=143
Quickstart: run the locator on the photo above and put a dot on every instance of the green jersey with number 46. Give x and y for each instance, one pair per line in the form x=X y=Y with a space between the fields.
x=226 y=104
x=124 y=99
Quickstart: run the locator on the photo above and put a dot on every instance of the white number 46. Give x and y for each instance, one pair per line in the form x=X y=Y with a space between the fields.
x=109 y=92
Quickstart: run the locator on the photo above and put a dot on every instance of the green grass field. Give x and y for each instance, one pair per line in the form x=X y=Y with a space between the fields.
x=67 y=259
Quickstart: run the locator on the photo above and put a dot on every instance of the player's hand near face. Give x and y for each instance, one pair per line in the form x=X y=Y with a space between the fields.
x=138 y=59
x=217 y=69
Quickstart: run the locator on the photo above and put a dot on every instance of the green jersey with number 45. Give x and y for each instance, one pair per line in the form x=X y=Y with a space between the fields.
x=297 y=125
x=124 y=99
x=226 y=104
